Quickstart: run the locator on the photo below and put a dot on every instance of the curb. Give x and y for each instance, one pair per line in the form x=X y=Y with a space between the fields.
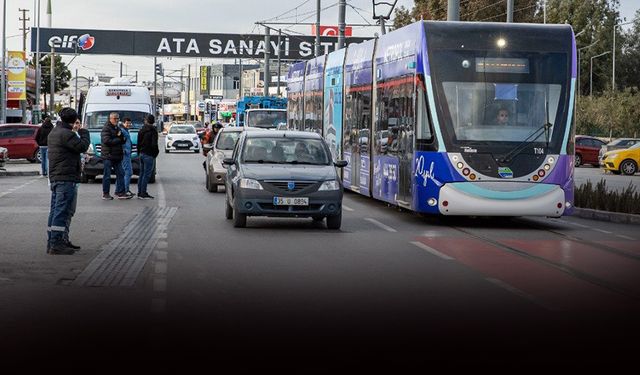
x=614 y=217
x=19 y=173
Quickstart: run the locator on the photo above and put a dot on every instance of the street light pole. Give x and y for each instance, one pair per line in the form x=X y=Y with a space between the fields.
x=3 y=82
x=591 y=72
x=613 y=73
x=579 y=57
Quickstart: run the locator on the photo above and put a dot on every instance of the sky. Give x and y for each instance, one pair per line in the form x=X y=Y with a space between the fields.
x=201 y=16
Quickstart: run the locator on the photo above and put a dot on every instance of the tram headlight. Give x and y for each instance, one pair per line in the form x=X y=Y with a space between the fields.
x=466 y=64
x=541 y=173
x=460 y=165
x=432 y=202
x=501 y=43
x=535 y=177
x=466 y=171
x=551 y=160
x=547 y=167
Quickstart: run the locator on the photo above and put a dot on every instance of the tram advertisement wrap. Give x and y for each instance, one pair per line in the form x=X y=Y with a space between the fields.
x=385 y=178
x=430 y=171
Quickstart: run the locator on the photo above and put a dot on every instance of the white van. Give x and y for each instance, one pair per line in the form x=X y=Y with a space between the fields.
x=129 y=101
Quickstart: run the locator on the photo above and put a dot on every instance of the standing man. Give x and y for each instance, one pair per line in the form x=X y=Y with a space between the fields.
x=112 y=140
x=148 y=150
x=41 y=139
x=65 y=148
x=126 y=158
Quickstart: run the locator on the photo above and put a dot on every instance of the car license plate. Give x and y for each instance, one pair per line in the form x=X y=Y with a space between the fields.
x=290 y=201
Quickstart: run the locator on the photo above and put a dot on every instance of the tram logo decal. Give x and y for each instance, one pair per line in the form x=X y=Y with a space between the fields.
x=426 y=174
x=505 y=172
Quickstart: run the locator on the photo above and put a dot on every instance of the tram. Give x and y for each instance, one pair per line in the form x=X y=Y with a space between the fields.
x=451 y=118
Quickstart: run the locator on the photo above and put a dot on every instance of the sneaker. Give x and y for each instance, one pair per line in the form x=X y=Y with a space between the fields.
x=129 y=194
x=60 y=249
x=107 y=197
x=144 y=196
x=123 y=196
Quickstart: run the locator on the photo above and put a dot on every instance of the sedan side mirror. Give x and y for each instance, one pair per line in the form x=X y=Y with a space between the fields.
x=340 y=163
x=228 y=161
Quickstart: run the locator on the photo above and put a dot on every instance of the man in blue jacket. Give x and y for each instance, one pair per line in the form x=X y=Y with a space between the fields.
x=65 y=147
x=127 y=168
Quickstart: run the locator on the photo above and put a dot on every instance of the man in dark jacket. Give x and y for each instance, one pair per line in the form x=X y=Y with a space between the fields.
x=148 y=149
x=112 y=141
x=65 y=147
x=41 y=139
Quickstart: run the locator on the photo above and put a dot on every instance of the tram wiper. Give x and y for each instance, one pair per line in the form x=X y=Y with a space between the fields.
x=508 y=157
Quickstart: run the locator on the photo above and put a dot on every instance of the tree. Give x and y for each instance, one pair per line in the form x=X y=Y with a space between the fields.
x=470 y=10
x=627 y=69
x=63 y=75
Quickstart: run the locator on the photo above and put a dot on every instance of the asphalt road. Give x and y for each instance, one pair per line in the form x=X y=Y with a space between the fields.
x=391 y=288
x=613 y=182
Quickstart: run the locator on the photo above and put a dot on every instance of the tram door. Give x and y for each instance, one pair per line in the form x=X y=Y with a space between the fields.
x=404 y=100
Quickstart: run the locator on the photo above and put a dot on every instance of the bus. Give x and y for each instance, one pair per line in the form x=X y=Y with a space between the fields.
x=457 y=118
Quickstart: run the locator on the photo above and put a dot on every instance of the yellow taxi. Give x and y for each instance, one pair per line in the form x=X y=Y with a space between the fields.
x=622 y=161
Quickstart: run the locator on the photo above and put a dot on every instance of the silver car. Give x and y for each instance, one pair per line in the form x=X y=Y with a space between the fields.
x=223 y=146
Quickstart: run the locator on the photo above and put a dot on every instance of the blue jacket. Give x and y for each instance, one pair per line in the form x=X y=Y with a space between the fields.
x=126 y=147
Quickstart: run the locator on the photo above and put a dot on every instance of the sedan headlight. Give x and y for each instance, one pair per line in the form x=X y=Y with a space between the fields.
x=612 y=156
x=248 y=183
x=329 y=186
x=195 y=138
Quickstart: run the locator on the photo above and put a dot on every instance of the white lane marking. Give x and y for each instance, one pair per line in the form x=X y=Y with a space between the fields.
x=518 y=292
x=18 y=187
x=158 y=305
x=625 y=237
x=347 y=208
x=602 y=231
x=160 y=268
x=162 y=244
x=575 y=224
x=162 y=198
x=159 y=285
x=160 y=255
x=431 y=250
x=380 y=225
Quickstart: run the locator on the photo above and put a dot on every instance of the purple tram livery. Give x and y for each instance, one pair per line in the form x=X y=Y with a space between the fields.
x=461 y=118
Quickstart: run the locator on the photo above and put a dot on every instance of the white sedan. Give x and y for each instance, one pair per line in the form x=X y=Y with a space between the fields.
x=182 y=137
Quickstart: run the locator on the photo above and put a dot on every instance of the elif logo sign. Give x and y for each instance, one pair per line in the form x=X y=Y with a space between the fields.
x=84 y=42
x=331 y=30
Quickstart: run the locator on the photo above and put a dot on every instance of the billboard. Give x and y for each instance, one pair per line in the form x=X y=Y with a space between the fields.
x=16 y=76
x=177 y=44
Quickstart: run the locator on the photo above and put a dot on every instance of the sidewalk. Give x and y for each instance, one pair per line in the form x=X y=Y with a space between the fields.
x=20 y=167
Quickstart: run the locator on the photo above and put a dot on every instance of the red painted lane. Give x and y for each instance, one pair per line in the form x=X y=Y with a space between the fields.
x=552 y=287
x=619 y=271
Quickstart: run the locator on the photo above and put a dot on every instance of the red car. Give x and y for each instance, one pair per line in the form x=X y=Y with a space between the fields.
x=587 y=150
x=20 y=140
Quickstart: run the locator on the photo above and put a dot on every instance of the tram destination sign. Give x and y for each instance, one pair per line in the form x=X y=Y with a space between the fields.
x=158 y=43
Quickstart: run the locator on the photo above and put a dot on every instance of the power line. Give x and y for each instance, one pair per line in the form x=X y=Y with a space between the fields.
x=289 y=11
x=504 y=14
x=356 y=10
x=483 y=8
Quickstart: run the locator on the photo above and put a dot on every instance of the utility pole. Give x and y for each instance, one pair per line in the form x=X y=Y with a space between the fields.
x=342 y=4
x=453 y=10
x=189 y=92
x=3 y=82
x=278 y=52
x=240 y=90
x=52 y=80
x=24 y=19
x=509 y=11
x=267 y=55
x=75 y=96
x=120 y=69
x=36 y=109
x=155 y=87
x=49 y=13
x=317 y=34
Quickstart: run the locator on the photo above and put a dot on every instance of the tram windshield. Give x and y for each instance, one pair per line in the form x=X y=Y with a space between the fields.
x=486 y=111
x=501 y=99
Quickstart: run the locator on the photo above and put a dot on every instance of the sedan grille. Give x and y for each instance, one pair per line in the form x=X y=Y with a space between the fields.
x=290 y=186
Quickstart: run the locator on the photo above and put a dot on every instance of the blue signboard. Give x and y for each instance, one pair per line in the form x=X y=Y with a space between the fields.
x=333 y=97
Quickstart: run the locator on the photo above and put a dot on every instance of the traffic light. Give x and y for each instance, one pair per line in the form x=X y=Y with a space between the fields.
x=159 y=70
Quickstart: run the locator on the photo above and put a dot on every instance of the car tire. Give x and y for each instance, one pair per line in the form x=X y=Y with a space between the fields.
x=239 y=219
x=36 y=157
x=196 y=151
x=334 y=221
x=628 y=167
x=577 y=161
x=211 y=187
x=228 y=210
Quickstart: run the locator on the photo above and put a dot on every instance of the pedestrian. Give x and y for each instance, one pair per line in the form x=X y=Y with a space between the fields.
x=112 y=139
x=148 y=150
x=41 y=139
x=126 y=158
x=65 y=147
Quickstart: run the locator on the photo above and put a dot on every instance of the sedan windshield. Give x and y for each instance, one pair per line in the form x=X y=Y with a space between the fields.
x=182 y=129
x=227 y=140
x=285 y=151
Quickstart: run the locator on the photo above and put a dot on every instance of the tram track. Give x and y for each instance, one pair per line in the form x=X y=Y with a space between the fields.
x=569 y=270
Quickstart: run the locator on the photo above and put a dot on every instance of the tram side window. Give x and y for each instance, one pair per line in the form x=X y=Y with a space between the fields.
x=313 y=112
x=294 y=110
x=395 y=120
x=424 y=130
x=357 y=120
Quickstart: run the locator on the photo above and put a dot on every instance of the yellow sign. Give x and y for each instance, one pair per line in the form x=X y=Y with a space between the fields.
x=17 y=76
x=204 y=79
